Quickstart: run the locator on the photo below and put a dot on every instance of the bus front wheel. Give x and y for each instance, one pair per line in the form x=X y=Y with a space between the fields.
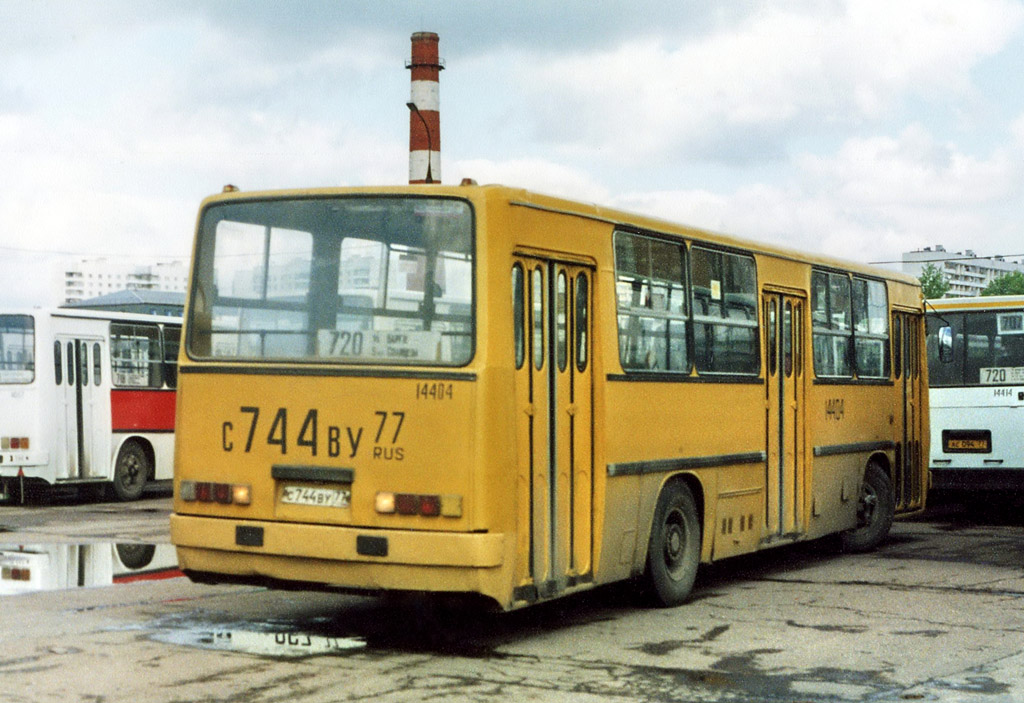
x=130 y=471
x=673 y=551
x=875 y=511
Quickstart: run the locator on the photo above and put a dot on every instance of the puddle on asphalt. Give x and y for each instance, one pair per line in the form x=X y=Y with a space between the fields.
x=248 y=639
x=31 y=568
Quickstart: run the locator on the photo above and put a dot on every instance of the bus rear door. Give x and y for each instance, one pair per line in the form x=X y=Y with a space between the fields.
x=552 y=302
x=907 y=370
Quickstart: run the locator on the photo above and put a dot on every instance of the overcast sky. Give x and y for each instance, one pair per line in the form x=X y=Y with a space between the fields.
x=856 y=128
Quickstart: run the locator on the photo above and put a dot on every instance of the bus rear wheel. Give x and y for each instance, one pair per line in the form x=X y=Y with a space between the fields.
x=130 y=471
x=875 y=510
x=673 y=551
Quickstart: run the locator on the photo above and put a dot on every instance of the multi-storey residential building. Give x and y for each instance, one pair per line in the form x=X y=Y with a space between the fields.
x=95 y=277
x=968 y=273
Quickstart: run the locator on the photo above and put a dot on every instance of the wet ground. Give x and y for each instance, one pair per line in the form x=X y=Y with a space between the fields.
x=936 y=614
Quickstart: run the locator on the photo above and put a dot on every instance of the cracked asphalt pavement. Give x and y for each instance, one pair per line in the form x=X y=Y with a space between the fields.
x=936 y=614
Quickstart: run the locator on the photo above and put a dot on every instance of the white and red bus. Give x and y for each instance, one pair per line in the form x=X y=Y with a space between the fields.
x=29 y=568
x=86 y=397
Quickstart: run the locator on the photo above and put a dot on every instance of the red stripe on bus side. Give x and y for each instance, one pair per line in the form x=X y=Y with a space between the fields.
x=159 y=575
x=142 y=410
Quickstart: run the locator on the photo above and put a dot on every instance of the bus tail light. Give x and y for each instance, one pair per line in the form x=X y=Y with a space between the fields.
x=387 y=503
x=17 y=573
x=14 y=443
x=222 y=493
x=208 y=492
x=430 y=505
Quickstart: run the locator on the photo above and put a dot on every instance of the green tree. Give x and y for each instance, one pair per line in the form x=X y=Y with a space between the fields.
x=1008 y=284
x=934 y=283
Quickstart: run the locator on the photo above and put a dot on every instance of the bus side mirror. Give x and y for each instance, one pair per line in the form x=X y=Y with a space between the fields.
x=946 y=344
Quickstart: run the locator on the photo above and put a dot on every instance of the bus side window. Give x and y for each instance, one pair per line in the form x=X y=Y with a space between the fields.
x=96 y=364
x=582 y=295
x=71 y=363
x=897 y=345
x=913 y=367
x=83 y=362
x=538 y=318
x=787 y=339
x=561 y=315
x=798 y=339
x=518 y=321
x=653 y=314
x=136 y=357
x=58 y=367
x=172 y=342
x=727 y=329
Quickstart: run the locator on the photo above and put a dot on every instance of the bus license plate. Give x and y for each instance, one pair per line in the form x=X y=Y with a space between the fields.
x=318 y=497
x=967 y=441
x=967 y=445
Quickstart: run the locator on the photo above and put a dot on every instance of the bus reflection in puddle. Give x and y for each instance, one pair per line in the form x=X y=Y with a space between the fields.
x=28 y=568
x=279 y=643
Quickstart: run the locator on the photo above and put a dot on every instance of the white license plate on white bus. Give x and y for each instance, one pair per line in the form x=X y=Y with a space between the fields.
x=318 y=497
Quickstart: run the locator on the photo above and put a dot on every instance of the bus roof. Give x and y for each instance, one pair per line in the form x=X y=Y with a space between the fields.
x=977 y=302
x=84 y=314
x=525 y=198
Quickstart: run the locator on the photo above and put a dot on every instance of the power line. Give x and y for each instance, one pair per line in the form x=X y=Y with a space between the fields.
x=84 y=255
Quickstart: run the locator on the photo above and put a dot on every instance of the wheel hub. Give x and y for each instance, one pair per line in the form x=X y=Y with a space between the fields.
x=675 y=540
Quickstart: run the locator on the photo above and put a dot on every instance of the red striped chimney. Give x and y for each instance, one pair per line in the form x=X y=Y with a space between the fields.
x=424 y=110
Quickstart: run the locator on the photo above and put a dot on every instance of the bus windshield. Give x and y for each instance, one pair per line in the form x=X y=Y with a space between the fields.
x=988 y=348
x=368 y=280
x=17 y=349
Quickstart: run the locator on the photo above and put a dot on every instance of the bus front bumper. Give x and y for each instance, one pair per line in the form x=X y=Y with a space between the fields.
x=329 y=556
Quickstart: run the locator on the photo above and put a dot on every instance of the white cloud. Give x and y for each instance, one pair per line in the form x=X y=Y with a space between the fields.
x=779 y=68
x=870 y=201
x=782 y=122
x=910 y=170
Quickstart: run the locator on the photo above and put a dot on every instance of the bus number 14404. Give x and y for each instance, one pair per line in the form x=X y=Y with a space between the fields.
x=433 y=391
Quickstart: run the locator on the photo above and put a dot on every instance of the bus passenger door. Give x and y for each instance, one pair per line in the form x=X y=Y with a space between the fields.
x=554 y=420
x=906 y=369
x=784 y=477
x=79 y=406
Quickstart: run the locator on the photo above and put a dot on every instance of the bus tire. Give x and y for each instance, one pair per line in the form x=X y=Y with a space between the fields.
x=875 y=510
x=135 y=556
x=130 y=471
x=673 y=551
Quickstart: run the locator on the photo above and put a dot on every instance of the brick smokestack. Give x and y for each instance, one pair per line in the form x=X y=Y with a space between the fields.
x=424 y=110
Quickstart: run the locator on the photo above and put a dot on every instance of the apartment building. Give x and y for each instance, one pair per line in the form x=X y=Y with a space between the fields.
x=94 y=277
x=968 y=273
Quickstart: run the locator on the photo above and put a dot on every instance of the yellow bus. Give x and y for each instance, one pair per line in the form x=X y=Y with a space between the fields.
x=481 y=390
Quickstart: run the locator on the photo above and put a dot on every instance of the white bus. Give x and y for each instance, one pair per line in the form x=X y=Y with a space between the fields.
x=86 y=397
x=976 y=392
x=29 y=568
